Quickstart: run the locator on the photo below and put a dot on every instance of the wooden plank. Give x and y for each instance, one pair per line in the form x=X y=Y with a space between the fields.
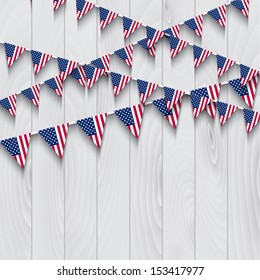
x=113 y=158
x=211 y=151
x=243 y=149
x=81 y=154
x=146 y=153
x=15 y=189
x=178 y=146
x=48 y=169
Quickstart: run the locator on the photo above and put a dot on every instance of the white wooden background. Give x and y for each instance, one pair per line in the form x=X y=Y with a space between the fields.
x=193 y=193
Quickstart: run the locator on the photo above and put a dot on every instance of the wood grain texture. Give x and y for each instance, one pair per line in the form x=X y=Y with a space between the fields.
x=178 y=147
x=15 y=187
x=211 y=151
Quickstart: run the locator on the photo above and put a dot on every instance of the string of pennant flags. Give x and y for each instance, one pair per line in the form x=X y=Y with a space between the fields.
x=88 y=75
x=205 y=98
x=131 y=117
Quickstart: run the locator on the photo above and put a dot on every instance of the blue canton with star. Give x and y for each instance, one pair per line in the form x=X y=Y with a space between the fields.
x=9 y=49
x=238 y=4
x=174 y=42
x=191 y=23
x=142 y=86
x=236 y=85
x=88 y=126
x=11 y=146
x=52 y=83
x=249 y=115
x=28 y=93
x=116 y=79
x=222 y=108
x=215 y=14
x=63 y=64
x=50 y=136
x=221 y=60
x=36 y=57
x=150 y=32
x=98 y=63
x=143 y=44
x=76 y=74
x=126 y=116
x=161 y=105
x=244 y=70
x=201 y=92
x=80 y=5
x=6 y=104
x=197 y=51
x=195 y=100
x=89 y=71
x=127 y=23
x=103 y=13
x=169 y=93
x=122 y=54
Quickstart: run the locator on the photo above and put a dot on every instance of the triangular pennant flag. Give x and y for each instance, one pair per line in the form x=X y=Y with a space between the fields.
x=195 y=24
x=102 y=63
x=225 y=111
x=242 y=6
x=247 y=73
x=83 y=7
x=79 y=75
x=13 y=53
x=126 y=54
x=106 y=17
x=132 y=118
x=56 y=137
x=173 y=31
x=251 y=87
x=143 y=44
x=211 y=109
x=223 y=64
x=200 y=55
x=18 y=147
x=153 y=36
x=145 y=89
x=66 y=67
x=33 y=94
x=242 y=91
x=219 y=14
x=172 y=96
x=9 y=104
x=252 y=118
x=92 y=74
x=176 y=45
x=55 y=84
x=39 y=60
x=171 y=115
x=119 y=82
x=57 y=4
x=198 y=101
x=129 y=26
x=94 y=128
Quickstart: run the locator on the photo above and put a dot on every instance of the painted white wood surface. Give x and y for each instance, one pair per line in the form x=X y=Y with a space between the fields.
x=174 y=194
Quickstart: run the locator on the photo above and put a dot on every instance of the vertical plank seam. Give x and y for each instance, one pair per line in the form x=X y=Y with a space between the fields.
x=64 y=162
x=31 y=7
x=129 y=141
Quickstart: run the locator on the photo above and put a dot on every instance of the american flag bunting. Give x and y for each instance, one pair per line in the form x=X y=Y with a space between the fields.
x=18 y=147
x=242 y=6
x=94 y=128
x=172 y=96
x=247 y=74
x=106 y=17
x=56 y=137
x=39 y=60
x=211 y=109
x=126 y=54
x=12 y=53
x=79 y=75
x=153 y=36
x=145 y=89
x=92 y=74
x=130 y=26
x=9 y=104
x=132 y=118
x=83 y=7
x=143 y=44
x=33 y=94
x=219 y=14
x=223 y=64
x=225 y=111
x=252 y=118
x=243 y=92
x=66 y=67
x=200 y=55
x=195 y=24
x=119 y=82
x=173 y=31
x=55 y=84
x=171 y=115
x=199 y=101
x=102 y=63
x=57 y=4
x=176 y=45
